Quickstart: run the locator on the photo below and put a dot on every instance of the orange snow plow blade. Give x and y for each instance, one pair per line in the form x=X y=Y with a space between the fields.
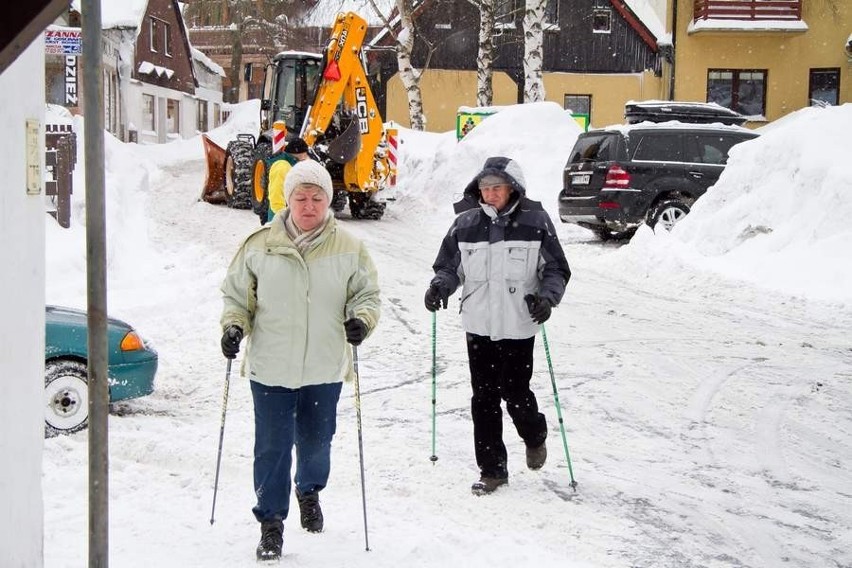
x=214 y=184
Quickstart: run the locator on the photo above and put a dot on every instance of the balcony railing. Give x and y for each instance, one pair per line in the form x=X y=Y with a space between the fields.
x=748 y=10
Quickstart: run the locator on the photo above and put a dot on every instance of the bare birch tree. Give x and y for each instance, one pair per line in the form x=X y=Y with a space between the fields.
x=485 y=53
x=408 y=74
x=534 y=50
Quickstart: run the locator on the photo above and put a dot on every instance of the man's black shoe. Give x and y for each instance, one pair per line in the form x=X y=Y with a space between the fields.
x=310 y=512
x=487 y=485
x=271 y=540
x=536 y=456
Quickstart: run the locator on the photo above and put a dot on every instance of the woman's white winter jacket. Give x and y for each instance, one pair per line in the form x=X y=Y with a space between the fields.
x=292 y=308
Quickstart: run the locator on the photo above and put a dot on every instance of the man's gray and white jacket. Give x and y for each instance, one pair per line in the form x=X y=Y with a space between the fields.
x=498 y=258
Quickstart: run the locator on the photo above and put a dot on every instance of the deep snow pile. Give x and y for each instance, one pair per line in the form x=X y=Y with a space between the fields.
x=778 y=216
x=435 y=168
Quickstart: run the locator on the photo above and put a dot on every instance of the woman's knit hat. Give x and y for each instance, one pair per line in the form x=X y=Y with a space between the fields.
x=307 y=171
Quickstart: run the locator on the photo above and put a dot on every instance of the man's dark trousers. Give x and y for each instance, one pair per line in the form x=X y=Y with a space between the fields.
x=501 y=370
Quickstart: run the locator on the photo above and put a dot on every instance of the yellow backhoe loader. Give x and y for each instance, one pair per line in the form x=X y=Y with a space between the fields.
x=327 y=101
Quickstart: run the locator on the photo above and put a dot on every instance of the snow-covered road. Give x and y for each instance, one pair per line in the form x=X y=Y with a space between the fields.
x=708 y=421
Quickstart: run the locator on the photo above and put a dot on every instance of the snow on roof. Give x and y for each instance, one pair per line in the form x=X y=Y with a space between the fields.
x=148 y=68
x=652 y=13
x=199 y=56
x=118 y=13
x=323 y=14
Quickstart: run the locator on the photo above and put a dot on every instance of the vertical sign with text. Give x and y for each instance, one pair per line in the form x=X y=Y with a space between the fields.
x=70 y=81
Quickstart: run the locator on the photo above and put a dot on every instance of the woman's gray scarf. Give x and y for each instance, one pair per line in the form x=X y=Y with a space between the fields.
x=303 y=239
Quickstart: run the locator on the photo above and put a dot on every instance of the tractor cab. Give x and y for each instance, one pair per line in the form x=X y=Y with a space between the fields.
x=289 y=84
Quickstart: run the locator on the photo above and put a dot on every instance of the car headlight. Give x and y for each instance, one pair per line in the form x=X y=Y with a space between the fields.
x=132 y=342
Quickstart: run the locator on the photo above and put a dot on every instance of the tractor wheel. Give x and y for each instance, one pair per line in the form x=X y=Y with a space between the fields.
x=259 y=190
x=363 y=207
x=339 y=201
x=260 y=181
x=238 y=170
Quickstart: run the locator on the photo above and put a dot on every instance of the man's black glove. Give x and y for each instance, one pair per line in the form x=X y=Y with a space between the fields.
x=231 y=341
x=539 y=307
x=435 y=297
x=356 y=331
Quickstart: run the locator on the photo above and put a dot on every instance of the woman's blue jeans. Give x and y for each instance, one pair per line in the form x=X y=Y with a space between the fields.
x=306 y=417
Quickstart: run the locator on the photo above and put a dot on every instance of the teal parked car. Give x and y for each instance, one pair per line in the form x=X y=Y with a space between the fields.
x=131 y=368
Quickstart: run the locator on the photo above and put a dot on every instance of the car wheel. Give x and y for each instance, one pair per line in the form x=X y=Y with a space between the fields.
x=667 y=214
x=603 y=234
x=609 y=235
x=66 y=396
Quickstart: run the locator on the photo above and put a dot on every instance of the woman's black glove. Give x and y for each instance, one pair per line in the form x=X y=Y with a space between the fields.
x=231 y=341
x=539 y=307
x=435 y=297
x=356 y=331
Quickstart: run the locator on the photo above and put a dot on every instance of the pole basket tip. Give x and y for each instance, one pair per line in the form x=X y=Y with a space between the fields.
x=574 y=486
x=433 y=459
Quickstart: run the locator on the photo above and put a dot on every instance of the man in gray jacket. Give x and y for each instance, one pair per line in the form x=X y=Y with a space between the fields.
x=503 y=250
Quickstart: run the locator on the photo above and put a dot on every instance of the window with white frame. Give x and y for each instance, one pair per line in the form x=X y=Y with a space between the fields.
x=155 y=34
x=601 y=20
x=201 y=118
x=505 y=13
x=167 y=38
x=110 y=100
x=172 y=116
x=551 y=12
x=444 y=15
x=149 y=108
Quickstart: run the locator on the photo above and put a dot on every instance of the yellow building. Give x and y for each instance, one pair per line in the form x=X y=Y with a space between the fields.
x=764 y=64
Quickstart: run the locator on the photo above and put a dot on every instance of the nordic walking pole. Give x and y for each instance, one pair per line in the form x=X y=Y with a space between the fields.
x=221 y=438
x=434 y=456
x=360 y=442
x=558 y=409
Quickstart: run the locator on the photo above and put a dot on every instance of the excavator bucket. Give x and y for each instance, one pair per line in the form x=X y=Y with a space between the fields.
x=214 y=183
x=345 y=147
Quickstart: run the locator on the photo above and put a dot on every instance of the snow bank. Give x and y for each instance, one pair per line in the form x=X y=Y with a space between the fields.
x=244 y=119
x=435 y=168
x=127 y=182
x=779 y=215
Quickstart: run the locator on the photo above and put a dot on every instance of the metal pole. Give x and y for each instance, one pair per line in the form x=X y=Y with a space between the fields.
x=434 y=456
x=360 y=442
x=96 y=286
x=558 y=408
x=221 y=439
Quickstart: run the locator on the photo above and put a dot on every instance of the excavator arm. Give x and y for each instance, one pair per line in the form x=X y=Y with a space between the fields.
x=341 y=124
x=361 y=145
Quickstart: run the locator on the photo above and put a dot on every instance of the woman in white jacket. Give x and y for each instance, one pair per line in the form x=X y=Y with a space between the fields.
x=299 y=288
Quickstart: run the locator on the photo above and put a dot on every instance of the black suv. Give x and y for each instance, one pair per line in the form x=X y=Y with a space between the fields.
x=621 y=176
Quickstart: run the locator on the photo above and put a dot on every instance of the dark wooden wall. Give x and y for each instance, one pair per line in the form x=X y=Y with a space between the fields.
x=180 y=60
x=571 y=47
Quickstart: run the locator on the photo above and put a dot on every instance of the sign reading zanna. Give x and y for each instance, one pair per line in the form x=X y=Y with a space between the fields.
x=63 y=42
x=361 y=109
